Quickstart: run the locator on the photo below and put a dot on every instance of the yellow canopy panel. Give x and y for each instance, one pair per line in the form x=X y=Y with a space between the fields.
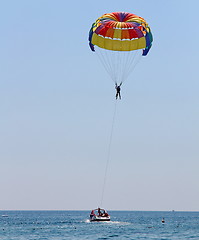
x=118 y=45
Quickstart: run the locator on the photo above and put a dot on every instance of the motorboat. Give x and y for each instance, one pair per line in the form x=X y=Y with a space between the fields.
x=98 y=215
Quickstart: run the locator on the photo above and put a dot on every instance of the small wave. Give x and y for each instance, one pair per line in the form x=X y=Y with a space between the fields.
x=120 y=223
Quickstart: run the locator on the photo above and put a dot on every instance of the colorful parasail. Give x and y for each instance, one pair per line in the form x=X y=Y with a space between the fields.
x=121 y=31
x=121 y=35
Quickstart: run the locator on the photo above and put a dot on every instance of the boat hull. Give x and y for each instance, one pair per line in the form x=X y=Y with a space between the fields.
x=99 y=219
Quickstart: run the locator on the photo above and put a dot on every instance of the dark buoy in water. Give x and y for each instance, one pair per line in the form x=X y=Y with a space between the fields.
x=163 y=221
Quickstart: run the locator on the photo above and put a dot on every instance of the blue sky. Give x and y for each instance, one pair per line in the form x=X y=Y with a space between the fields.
x=57 y=101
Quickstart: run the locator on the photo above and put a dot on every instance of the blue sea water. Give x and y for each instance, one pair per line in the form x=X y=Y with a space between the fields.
x=61 y=225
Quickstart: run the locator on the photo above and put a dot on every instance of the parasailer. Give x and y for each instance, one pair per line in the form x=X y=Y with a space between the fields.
x=118 y=38
x=118 y=89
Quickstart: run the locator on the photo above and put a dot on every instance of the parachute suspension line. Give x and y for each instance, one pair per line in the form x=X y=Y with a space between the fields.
x=132 y=58
x=108 y=154
x=118 y=64
x=127 y=64
x=113 y=63
x=119 y=67
x=124 y=66
x=135 y=61
x=107 y=57
x=106 y=62
x=102 y=60
x=132 y=62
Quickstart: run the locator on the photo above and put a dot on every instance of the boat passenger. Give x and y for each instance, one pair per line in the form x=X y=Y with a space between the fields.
x=106 y=214
x=99 y=212
x=92 y=214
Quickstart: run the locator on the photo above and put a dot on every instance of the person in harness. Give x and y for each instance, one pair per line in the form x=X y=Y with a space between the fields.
x=118 y=89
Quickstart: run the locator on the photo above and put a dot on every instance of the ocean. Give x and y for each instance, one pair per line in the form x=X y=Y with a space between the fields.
x=61 y=225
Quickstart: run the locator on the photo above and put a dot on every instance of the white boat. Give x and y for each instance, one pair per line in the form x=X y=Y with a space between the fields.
x=98 y=215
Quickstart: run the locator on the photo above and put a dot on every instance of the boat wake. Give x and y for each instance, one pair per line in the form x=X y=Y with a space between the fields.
x=108 y=222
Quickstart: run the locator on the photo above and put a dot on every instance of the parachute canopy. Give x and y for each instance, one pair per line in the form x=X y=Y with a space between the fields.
x=121 y=31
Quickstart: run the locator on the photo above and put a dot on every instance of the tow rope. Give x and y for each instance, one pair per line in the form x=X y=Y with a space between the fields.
x=108 y=153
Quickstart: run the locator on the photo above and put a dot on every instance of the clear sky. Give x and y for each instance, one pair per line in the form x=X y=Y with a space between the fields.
x=57 y=102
